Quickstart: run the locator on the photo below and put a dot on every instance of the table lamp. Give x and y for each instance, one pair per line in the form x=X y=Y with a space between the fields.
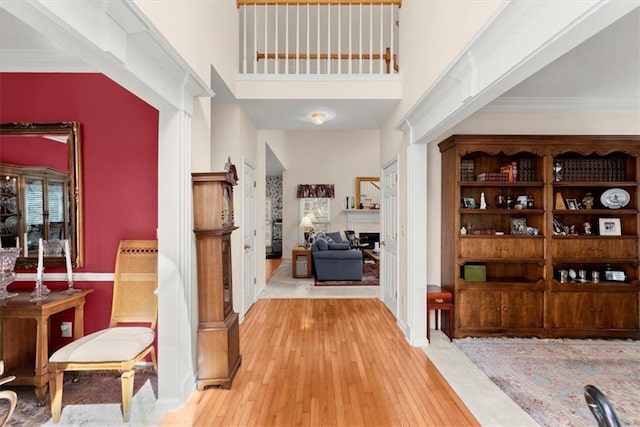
x=306 y=226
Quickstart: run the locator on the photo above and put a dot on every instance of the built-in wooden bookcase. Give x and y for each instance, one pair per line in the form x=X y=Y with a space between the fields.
x=542 y=216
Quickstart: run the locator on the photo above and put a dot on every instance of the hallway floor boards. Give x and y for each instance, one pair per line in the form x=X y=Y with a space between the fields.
x=316 y=362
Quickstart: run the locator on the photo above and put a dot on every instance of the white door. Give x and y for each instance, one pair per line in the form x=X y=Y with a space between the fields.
x=249 y=237
x=389 y=245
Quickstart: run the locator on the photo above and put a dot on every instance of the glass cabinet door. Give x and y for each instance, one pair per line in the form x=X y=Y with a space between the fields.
x=34 y=211
x=9 y=210
x=40 y=222
x=57 y=206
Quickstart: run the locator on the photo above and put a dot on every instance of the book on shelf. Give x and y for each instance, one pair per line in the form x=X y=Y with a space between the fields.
x=492 y=176
x=599 y=169
x=511 y=169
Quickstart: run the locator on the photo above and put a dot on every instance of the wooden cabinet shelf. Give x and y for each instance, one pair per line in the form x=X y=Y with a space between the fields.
x=521 y=294
x=603 y=184
x=595 y=212
x=501 y=184
x=511 y=212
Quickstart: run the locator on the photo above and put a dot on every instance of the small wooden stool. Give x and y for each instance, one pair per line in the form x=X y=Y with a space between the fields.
x=437 y=300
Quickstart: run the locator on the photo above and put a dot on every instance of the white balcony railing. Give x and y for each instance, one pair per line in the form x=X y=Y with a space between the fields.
x=322 y=37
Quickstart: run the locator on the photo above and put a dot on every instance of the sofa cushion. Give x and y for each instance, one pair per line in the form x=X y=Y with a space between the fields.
x=321 y=244
x=113 y=344
x=343 y=246
x=335 y=236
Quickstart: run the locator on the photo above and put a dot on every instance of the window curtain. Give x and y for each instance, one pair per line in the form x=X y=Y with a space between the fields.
x=315 y=190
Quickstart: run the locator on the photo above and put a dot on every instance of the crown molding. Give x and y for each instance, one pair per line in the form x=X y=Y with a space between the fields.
x=41 y=60
x=114 y=38
x=542 y=104
x=521 y=39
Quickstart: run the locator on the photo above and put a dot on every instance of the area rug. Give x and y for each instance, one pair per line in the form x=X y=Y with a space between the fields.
x=369 y=278
x=282 y=285
x=546 y=377
x=94 y=400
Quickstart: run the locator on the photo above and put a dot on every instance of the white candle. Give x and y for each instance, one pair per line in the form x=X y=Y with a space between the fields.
x=25 y=250
x=67 y=255
x=40 y=254
x=18 y=243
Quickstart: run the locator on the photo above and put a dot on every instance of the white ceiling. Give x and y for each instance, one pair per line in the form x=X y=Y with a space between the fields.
x=604 y=70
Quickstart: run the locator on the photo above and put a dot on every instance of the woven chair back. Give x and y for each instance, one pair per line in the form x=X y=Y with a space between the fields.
x=135 y=283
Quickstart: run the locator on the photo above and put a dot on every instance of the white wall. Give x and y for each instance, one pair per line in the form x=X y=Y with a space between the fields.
x=432 y=35
x=550 y=123
x=234 y=136
x=322 y=157
x=204 y=32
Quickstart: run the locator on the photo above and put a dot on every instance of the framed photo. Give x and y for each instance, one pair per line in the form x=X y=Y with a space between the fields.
x=572 y=204
x=469 y=202
x=610 y=227
x=518 y=226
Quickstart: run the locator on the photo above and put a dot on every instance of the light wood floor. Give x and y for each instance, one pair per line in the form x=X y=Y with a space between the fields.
x=320 y=362
x=271 y=267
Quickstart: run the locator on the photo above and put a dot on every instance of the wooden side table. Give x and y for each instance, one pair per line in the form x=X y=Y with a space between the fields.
x=300 y=262
x=438 y=300
x=24 y=327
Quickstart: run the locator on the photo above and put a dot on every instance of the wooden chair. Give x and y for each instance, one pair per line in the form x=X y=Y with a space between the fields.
x=118 y=347
x=9 y=395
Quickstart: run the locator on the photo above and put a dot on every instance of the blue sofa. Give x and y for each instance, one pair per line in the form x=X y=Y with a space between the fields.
x=334 y=260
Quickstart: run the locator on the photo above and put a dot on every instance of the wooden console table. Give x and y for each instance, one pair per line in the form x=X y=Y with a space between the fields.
x=439 y=299
x=301 y=262
x=24 y=328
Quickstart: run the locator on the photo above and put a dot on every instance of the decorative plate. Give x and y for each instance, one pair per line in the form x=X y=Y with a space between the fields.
x=11 y=225
x=615 y=198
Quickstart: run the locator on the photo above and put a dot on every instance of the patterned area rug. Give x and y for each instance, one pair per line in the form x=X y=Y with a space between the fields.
x=93 y=400
x=546 y=377
x=369 y=278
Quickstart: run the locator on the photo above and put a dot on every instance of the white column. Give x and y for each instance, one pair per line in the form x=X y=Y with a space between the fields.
x=176 y=274
x=417 y=241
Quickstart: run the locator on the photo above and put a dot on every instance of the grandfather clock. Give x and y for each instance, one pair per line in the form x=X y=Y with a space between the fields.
x=218 y=335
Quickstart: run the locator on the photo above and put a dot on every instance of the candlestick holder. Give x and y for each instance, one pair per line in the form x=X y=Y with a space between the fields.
x=38 y=293
x=8 y=257
x=70 y=290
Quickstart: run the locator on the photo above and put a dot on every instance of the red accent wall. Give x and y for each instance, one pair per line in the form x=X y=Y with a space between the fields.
x=119 y=144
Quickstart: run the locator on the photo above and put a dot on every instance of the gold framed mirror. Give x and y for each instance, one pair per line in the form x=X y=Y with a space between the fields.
x=41 y=190
x=368 y=192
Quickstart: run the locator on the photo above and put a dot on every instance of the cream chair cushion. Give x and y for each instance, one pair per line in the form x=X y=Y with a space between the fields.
x=113 y=344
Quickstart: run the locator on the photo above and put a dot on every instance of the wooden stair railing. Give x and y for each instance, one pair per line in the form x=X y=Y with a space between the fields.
x=343 y=56
x=316 y=2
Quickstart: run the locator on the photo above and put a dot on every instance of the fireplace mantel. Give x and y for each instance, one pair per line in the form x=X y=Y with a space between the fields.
x=358 y=219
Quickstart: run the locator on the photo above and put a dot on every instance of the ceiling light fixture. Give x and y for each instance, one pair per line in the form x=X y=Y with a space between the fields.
x=318 y=118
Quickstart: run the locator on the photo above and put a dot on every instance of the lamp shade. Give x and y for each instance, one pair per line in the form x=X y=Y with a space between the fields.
x=306 y=222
